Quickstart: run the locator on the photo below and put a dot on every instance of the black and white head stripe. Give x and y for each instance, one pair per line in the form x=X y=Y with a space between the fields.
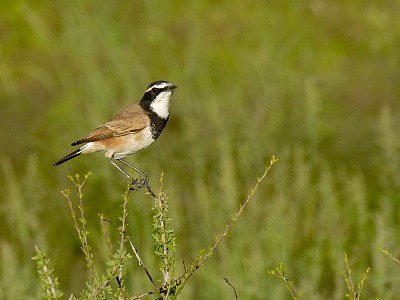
x=159 y=86
x=157 y=98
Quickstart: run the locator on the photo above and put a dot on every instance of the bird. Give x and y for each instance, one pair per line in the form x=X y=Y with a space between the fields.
x=134 y=128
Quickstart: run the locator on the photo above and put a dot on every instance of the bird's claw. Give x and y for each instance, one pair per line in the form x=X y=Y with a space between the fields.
x=139 y=183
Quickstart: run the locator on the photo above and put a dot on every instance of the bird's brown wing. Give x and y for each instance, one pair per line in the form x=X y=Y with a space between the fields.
x=130 y=120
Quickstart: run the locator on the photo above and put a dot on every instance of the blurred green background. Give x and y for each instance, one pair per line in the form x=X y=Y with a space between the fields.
x=315 y=83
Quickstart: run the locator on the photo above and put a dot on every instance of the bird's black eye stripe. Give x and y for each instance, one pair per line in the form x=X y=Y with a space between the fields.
x=156 y=90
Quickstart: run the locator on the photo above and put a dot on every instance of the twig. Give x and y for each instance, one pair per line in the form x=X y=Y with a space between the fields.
x=143 y=295
x=384 y=251
x=347 y=277
x=105 y=233
x=164 y=237
x=166 y=273
x=81 y=230
x=123 y=232
x=52 y=290
x=353 y=293
x=233 y=288
x=280 y=273
x=140 y=261
x=201 y=261
x=150 y=191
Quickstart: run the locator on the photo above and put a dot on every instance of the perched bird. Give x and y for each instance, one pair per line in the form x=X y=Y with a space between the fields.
x=133 y=129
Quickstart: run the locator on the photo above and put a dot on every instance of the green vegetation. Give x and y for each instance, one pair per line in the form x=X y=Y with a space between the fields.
x=313 y=82
x=112 y=283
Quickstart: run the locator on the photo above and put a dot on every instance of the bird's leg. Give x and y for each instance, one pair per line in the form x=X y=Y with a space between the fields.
x=144 y=180
x=132 y=167
x=122 y=171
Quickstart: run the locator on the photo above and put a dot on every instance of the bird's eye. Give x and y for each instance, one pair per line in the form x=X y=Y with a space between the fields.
x=156 y=90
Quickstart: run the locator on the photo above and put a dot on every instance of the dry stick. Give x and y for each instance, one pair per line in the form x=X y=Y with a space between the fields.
x=151 y=192
x=167 y=276
x=140 y=261
x=233 y=288
x=230 y=225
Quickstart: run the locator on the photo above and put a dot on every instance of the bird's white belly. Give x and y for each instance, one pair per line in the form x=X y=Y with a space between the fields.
x=118 y=147
x=134 y=143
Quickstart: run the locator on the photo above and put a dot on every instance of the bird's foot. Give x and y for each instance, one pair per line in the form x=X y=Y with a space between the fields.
x=139 y=183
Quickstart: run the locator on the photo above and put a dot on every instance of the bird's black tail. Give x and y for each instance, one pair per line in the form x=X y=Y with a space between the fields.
x=68 y=157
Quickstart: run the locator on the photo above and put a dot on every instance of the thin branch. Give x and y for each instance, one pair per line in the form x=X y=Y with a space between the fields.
x=384 y=251
x=105 y=233
x=123 y=233
x=52 y=290
x=140 y=261
x=144 y=295
x=81 y=229
x=233 y=221
x=233 y=288
x=161 y=208
x=100 y=288
x=280 y=273
x=151 y=192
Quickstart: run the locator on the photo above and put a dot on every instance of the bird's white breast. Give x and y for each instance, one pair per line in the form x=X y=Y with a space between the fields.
x=134 y=143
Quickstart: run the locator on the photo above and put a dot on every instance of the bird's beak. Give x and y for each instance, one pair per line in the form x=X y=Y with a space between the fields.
x=172 y=87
